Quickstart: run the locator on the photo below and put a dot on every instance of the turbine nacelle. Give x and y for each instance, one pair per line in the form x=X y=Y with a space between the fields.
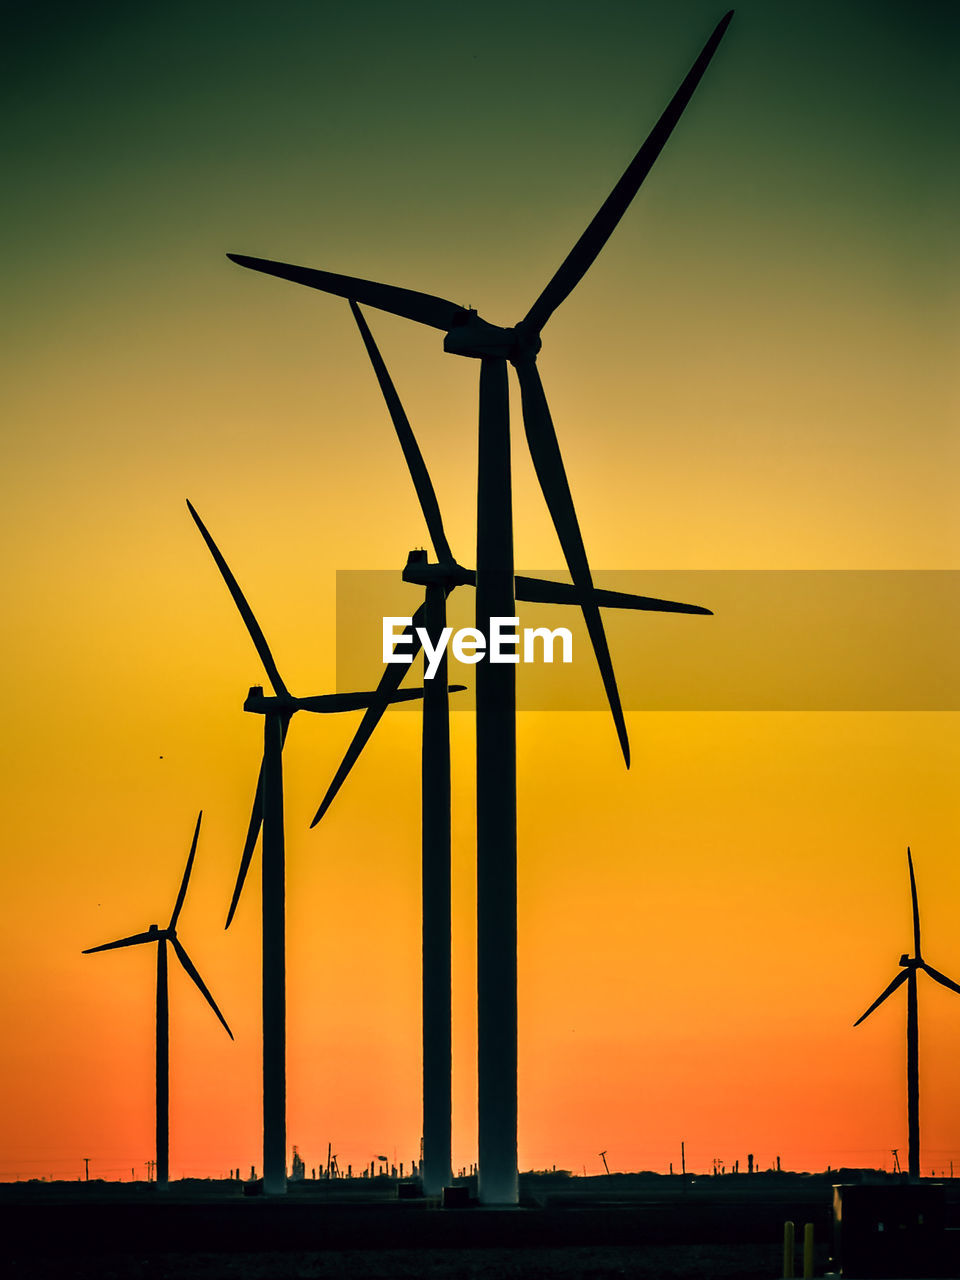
x=910 y=962
x=479 y=339
x=156 y=932
x=285 y=704
x=445 y=573
x=264 y=705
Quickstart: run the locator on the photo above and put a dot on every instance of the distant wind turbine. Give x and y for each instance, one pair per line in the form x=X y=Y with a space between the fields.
x=469 y=335
x=161 y=937
x=439 y=580
x=277 y=712
x=908 y=975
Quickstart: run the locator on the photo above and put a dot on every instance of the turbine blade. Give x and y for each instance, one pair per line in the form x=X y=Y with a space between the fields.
x=583 y=254
x=425 y=308
x=331 y=703
x=249 y=844
x=408 y=443
x=186 y=876
x=548 y=464
x=900 y=978
x=542 y=591
x=192 y=972
x=937 y=976
x=916 y=907
x=393 y=674
x=372 y=717
x=246 y=613
x=132 y=941
x=253 y=830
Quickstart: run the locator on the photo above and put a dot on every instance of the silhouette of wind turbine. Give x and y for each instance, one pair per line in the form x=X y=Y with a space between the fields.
x=908 y=974
x=277 y=712
x=438 y=581
x=161 y=937
x=468 y=335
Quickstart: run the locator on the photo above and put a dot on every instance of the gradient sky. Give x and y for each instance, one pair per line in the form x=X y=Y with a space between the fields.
x=756 y=374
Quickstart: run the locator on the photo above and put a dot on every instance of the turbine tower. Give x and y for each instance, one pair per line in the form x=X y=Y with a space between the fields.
x=277 y=712
x=469 y=335
x=438 y=581
x=161 y=937
x=908 y=974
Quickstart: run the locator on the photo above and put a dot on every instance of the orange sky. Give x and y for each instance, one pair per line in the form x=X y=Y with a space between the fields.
x=754 y=376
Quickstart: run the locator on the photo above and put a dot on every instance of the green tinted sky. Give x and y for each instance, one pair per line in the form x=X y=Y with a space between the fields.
x=794 y=248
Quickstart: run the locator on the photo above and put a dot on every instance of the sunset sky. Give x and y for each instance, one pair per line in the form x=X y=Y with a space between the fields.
x=757 y=374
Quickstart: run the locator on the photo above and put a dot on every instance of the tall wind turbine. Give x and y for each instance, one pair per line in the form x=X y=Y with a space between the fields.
x=277 y=712
x=468 y=335
x=908 y=974
x=161 y=937
x=438 y=581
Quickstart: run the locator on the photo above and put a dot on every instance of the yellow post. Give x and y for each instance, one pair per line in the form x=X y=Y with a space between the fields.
x=808 y=1251
x=788 y=1251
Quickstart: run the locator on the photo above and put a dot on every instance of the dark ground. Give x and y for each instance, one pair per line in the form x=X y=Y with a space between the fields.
x=665 y=1262
x=648 y=1227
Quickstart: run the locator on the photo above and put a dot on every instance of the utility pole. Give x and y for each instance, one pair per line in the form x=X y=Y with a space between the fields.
x=603 y=1157
x=896 y=1160
x=683 y=1160
x=86 y=1161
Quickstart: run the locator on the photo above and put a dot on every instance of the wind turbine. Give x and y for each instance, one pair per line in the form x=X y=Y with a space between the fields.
x=161 y=937
x=469 y=335
x=277 y=712
x=438 y=581
x=908 y=974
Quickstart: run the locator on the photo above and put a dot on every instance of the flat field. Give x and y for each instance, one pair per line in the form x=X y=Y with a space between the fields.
x=651 y=1228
